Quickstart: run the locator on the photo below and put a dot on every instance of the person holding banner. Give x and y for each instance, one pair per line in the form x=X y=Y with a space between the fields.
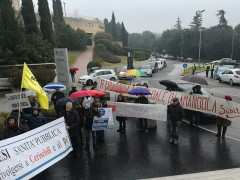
x=12 y=128
x=121 y=120
x=142 y=100
x=176 y=116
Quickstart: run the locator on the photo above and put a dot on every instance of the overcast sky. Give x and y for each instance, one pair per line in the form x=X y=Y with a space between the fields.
x=154 y=15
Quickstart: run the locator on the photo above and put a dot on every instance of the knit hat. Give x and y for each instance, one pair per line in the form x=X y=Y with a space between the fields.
x=228 y=98
x=175 y=99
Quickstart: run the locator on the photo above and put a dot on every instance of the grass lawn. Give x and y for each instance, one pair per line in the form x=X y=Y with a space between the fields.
x=123 y=62
x=72 y=57
x=189 y=70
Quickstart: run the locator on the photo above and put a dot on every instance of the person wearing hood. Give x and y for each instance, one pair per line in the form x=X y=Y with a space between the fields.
x=55 y=97
x=223 y=123
x=74 y=89
x=12 y=128
x=35 y=119
x=207 y=68
x=195 y=115
x=177 y=114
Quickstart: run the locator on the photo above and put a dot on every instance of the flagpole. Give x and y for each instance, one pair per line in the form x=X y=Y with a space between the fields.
x=19 y=107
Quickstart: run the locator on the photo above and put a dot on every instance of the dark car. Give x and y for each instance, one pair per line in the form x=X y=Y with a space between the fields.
x=228 y=61
x=190 y=60
x=187 y=87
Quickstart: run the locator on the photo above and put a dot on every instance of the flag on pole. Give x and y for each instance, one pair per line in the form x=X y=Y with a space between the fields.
x=29 y=82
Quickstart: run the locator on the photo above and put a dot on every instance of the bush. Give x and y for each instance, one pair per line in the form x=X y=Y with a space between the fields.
x=102 y=35
x=117 y=49
x=99 y=48
x=107 y=43
x=139 y=55
x=132 y=50
x=109 y=57
x=93 y=64
x=42 y=74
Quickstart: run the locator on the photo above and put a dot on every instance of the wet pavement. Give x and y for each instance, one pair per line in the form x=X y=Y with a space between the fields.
x=137 y=155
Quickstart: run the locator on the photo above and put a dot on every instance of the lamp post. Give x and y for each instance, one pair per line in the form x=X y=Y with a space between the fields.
x=64 y=8
x=232 y=44
x=181 y=44
x=200 y=37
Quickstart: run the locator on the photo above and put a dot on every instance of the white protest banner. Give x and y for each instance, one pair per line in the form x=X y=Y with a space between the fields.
x=26 y=155
x=211 y=105
x=150 y=111
x=100 y=124
x=107 y=113
x=13 y=100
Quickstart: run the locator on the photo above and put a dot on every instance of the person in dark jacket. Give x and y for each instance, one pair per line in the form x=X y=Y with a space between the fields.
x=74 y=89
x=12 y=128
x=195 y=115
x=207 y=68
x=72 y=125
x=55 y=97
x=120 y=119
x=35 y=119
x=72 y=72
x=81 y=119
x=91 y=113
x=142 y=100
x=176 y=112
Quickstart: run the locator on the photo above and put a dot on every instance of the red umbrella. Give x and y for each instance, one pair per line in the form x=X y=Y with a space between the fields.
x=81 y=93
x=117 y=88
x=97 y=92
x=74 y=69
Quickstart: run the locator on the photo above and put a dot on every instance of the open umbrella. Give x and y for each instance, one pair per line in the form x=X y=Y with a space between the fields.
x=81 y=93
x=63 y=101
x=135 y=72
x=97 y=92
x=138 y=91
x=195 y=79
x=74 y=69
x=54 y=86
x=168 y=83
x=117 y=88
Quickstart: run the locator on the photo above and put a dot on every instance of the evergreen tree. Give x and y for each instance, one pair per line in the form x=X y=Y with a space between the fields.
x=107 y=26
x=57 y=15
x=29 y=18
x=113 y=27
x=124 y=36
x=197 y=21
x=178 y=25
x=222 y=19
x=45 y=22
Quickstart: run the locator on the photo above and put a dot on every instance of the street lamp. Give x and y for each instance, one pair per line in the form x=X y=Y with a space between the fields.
x=181 y=44
x=232 y=43
x=64 y=8
x=200 y=37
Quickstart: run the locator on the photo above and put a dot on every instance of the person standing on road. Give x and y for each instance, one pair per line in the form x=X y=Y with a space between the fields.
x=72 y=72
x=177 y=114
x=74 y=89
x=212 y=69
x=142 y=100
x=193 y=68
x=55 y=97
x=207 y=68
x=120 y=119
x=222 y=122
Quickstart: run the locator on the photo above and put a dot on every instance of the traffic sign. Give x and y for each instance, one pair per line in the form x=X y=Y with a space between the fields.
x=185 y=66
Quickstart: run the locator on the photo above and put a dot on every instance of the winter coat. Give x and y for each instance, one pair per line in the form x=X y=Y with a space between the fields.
x=198 y=87
x=72 y=120
x=90 y=113
x=34 y=121
x=80 y=112
x=14 y=130
x=176 y=112
x=121 y=118
x=223 y=122
x=141 y=100
x=59 y=95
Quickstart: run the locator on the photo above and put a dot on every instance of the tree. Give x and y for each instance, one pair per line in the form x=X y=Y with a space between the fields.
x=107 y=26
x=45 y=22
x=113 y=27
x=178 y=26
x=197 y=21
x=30 y=22
x=222 y=19
x=124 y=36
x=57 y=15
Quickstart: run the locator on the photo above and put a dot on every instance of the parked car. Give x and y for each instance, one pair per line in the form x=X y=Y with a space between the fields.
x=219 y=70
x=187 y=87
x=154 y=66
x=146 y=69
x=216 y=62
x=124 y=77
x=190 y=60
x=231 y=75
x=92 y=78
x=160 y=65
x=228 y=61
x=164 y=61
x=181 y=59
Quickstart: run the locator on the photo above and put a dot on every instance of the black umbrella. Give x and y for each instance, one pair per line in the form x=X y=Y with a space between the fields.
x=195 y=79
x=168 y=84
x=63 y=101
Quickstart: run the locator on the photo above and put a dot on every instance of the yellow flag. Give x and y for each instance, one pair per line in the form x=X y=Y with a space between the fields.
x=30 y=82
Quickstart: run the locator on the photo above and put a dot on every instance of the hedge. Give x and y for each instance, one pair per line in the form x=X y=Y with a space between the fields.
x=146 y=52
x=107 y=43
x=117 y=49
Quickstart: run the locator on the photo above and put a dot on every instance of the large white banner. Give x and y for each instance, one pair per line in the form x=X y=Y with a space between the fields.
x=14 y=98
x=206 y=104
x=26 y=155
x=150 y=111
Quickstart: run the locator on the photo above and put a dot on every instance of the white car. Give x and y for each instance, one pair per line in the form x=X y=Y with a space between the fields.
x=231 y=75
x=160 y=64
x=92 y=78
x=146 y=69
x=163 y=60
x=216 y=62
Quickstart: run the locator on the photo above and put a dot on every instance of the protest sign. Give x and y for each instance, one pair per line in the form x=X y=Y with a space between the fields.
x=14 y=98
x=100 y=124
x=205 y=104
x=150 y=111
x=107 y=113
x=26 y=155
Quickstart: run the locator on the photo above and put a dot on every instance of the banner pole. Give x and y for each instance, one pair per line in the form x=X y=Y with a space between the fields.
x=19 y=107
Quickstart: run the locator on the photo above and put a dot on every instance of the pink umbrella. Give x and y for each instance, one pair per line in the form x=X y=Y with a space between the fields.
x=73 y=69
x=117 y=88
x=81 y=93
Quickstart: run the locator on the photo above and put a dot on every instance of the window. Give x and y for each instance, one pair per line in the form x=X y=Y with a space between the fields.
x=100 y=73
x=238 y=72
x=107 y=72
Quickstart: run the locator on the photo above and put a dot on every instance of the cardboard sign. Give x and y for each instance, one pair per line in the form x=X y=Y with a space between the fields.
x=13 y=100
